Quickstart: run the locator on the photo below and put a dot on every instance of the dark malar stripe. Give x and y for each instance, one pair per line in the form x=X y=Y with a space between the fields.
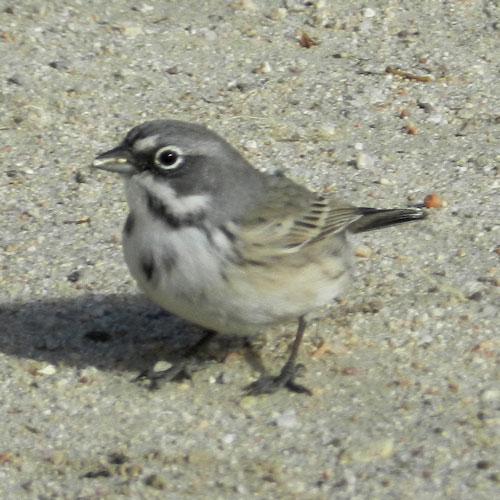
x=227 y=233
x=148 y=267
x=161 y=211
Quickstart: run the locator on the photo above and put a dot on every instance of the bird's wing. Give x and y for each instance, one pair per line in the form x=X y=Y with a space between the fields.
x=288 y=217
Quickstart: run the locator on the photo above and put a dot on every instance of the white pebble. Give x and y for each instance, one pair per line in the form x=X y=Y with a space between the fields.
x=229 y=438
x=161 y=366
x=386 y=182
x=47 y=370
x=490 y=395
x=251 y=145
x=368 y=12
x=364 y=160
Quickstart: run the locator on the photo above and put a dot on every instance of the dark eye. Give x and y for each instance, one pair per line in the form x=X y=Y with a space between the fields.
x=168 y=158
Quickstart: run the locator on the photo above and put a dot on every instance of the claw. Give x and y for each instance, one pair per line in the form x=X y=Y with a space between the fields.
x=285 y=380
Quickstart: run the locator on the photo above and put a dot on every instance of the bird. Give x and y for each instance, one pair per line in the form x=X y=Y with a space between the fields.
x=228 y=247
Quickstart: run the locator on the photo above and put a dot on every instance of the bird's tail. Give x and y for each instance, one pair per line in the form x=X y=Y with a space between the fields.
x=375 y=218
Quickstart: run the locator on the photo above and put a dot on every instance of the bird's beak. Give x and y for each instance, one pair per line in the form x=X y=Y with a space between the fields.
x=118 y=160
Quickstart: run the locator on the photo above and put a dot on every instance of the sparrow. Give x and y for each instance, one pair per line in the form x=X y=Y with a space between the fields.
x=235 y=250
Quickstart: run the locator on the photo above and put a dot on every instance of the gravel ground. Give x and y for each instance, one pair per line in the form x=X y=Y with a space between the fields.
x=382 y=101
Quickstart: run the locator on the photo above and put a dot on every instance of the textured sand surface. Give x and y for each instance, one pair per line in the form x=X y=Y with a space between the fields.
x=384 y=102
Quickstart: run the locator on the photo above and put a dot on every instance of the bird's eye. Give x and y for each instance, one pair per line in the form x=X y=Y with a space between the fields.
x=168 y=158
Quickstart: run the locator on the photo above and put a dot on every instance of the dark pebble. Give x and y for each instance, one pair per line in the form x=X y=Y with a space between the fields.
x=74 y=276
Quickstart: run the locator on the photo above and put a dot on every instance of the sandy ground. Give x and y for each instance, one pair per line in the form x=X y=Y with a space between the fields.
x=382 y=101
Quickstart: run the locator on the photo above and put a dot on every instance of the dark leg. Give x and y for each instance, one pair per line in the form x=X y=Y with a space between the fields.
x=180 y=370
x=286 y=378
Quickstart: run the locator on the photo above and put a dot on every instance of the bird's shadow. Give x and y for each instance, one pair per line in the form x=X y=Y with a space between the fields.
x=110 y=332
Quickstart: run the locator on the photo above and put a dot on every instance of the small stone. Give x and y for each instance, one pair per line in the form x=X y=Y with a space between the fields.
x=385 y=182
x=58 y=458
x=327 y=130
x=433 y=200
x=60 y=65
x=295 y=5
x=364 y=160
x=477 y=296
x=229 y=438
x=251 y=145
x=145 y=8
x=378 y=450
x=209 y=34
x=221 y=379
x=278 y=14
x=306 y=41
x=155 y=481
x=16 y=80
x=47 y=370
x=363 y=251
x=263 y=68
x=490 y=395
x=483 y=464
x=79 y=177
x=131 y=30
x=74 y=276
x=248 y=5
x=410 y=129
x=426 y=106
x=369 y=12
x=436 y=118
x=162 y=366
x=237 y=85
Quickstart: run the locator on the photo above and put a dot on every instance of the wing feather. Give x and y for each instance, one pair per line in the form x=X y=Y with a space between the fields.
x=289 y=217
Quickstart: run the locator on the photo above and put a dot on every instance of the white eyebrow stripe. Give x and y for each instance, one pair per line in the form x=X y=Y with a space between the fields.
x=146 y=144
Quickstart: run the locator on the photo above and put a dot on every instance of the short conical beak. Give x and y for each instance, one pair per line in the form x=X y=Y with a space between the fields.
x=116 y=160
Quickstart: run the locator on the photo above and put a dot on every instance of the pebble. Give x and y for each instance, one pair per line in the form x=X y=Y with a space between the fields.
x=145 y=8
x=436 y=119
x=263 y=68
x=248 y=5
x=326 y=131
x=278 y=14
x=47 y=370
x=490 y=395
x=385 y=182
x=363 y=251
x=377 y=450
x=364 y=160
x=369 y=12
x=250 y=145
x=131 y=30
x=229 y=438
x=155 y=481
x=162 y=366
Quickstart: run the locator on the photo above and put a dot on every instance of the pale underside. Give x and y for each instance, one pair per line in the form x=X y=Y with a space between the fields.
x=275 y=270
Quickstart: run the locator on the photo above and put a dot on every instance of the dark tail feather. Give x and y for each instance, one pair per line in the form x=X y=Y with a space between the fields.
x=374 y=218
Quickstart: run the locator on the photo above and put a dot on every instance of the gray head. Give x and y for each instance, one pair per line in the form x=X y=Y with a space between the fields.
x=188 y=159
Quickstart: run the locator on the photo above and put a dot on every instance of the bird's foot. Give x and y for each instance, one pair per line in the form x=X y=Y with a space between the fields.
x=285 y=380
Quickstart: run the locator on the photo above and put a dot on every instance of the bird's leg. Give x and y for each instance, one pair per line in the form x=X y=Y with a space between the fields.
x=180 y=370
x=286 y=378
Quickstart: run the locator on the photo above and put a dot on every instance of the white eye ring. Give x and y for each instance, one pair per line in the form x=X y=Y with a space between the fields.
x=168 y=158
